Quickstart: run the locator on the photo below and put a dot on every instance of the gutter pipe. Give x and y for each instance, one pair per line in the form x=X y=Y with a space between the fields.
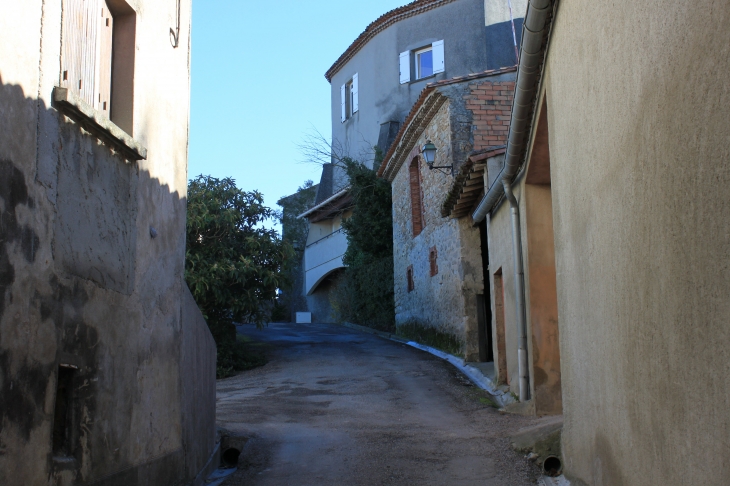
x=519 y=292
x=528 y=72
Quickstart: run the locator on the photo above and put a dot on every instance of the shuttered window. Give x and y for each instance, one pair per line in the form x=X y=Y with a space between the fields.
x=405 y=67
x=423 y=62
x=349 y=99
x=438 y=56
x=353 y=94
x=414 y=179
x=86 y=61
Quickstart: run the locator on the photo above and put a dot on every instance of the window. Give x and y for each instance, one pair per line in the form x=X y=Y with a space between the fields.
x=62 y=411
x=98 y=39
x=422 y=63
x=409 y=278
x=433 y=264
x=414 y=175
x=349 y=98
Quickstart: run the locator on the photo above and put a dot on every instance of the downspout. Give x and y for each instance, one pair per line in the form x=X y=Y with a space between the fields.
x=519 y=292
x=525 y=89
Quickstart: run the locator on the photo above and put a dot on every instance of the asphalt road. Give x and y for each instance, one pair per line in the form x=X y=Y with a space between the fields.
x=336 y=406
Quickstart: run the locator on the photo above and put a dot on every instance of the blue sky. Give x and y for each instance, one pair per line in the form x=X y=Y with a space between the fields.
x=258 y=85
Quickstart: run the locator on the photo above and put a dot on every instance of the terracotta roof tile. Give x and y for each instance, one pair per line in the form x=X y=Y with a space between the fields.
x=380 y=24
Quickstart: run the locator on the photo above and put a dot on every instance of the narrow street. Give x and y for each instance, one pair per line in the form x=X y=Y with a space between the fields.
x=339 y=407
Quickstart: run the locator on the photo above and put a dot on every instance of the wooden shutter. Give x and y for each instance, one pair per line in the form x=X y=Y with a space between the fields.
x=104 y=84
x=343 y=98
x=405 y=67
x=354 y=94
x=438 y=56
x=86 y=61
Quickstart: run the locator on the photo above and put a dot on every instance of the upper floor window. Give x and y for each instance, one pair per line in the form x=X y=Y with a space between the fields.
x=422 y=63
x=98 y=55
x=349 y=98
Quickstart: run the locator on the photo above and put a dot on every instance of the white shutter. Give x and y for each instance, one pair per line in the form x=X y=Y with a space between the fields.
x=405 y=67
x=438 y=56
x=343 y=98
x=354 y=93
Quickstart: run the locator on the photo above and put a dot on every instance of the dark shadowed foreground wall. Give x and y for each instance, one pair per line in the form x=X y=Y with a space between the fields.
x=639 y=103
x=107 y=369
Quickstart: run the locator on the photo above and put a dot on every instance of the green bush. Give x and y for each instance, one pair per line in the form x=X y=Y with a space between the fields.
x=365 y=295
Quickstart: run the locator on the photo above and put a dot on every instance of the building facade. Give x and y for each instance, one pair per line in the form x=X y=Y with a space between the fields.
x=438 y=259
x=108 y=368
x=380 y=76
x=618 y=152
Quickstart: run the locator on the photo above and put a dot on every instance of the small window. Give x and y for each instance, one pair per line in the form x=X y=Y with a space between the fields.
x=424 y=63
x=414 y=179
x=349 y=98
x=432 y=261
x=409 y=278
x=62 y=411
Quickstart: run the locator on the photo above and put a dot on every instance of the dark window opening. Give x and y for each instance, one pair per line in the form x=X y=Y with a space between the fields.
x=432 y=261
x=409 y=277
x=62 y=412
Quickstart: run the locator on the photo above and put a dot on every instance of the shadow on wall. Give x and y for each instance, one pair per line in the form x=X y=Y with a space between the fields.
x=86 y=286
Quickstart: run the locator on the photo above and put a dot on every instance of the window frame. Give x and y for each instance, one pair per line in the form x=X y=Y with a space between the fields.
x=417 y=53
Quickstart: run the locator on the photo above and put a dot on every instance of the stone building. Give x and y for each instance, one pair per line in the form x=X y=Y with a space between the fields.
x=378 y=78
x=438 y=259
x=107 y=366
x=618 y=154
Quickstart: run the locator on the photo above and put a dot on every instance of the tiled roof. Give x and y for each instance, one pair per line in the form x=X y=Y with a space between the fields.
x=468 y=187
x=326 y=208
x=380 y=24
x=420 y=116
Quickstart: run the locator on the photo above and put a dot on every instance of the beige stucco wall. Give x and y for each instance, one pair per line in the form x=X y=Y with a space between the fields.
x=447 y=300
x=116 y=315
x=639 y=102
x=499 y=238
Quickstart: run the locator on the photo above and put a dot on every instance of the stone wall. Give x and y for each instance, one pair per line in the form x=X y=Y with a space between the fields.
x=447 y=300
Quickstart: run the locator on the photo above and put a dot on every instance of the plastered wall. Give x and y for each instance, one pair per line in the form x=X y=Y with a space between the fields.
x=83 y=282
x=639 y=143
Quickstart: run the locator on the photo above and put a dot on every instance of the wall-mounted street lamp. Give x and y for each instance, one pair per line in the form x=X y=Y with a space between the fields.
x=429 y=155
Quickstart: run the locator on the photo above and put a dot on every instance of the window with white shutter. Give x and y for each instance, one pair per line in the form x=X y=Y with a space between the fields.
x=354 y=102
x=349 y=98
x=438 y=56
x=405 y=67
x=343 y=99
x=426 y=62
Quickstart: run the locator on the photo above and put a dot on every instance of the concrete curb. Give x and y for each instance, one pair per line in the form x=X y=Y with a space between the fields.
x=382 y=334
x=475 y=375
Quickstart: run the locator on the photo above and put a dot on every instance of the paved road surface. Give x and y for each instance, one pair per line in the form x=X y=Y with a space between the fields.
x=336 y=406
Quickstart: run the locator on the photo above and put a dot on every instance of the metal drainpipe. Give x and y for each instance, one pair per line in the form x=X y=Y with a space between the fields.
x=519 y=292
x=525 y=89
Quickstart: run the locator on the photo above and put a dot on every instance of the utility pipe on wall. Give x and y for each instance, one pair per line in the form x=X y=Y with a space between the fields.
x=528 y=72
x=519 y=292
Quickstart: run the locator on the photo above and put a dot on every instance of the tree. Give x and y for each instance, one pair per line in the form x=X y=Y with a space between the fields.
x=295 y=231
x=365 y=295
x=233 y=264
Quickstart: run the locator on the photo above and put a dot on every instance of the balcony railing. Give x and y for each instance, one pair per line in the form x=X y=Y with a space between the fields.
x=324 y=237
